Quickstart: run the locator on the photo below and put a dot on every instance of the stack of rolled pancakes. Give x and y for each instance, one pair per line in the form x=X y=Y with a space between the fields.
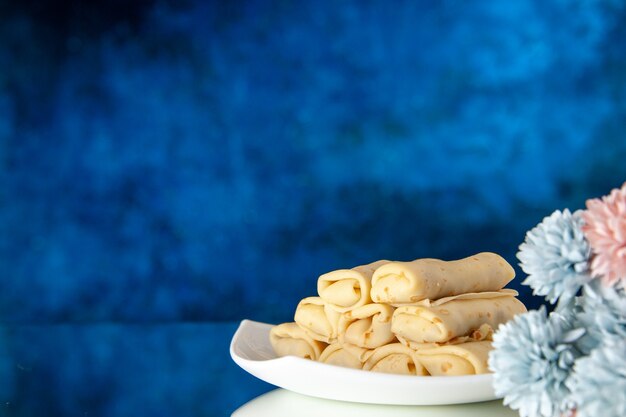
x=424 y=317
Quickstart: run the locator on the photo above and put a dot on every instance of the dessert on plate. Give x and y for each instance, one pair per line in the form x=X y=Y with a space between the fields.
x=424 y=317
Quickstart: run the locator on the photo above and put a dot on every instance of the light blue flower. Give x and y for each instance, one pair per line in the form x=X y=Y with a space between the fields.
x=532 y=358
x=598 y=383
x=555 y=255
x=603 y=315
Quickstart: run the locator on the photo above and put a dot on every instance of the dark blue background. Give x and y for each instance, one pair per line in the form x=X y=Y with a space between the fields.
x=206 y=161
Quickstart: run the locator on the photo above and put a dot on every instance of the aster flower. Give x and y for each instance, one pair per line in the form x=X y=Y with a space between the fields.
x=555 y=256
x=532 y=358
x=605 y=229
x=603 y=315
x=598 y=383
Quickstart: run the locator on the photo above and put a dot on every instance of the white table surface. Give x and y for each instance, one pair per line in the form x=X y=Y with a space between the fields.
x=280 y=402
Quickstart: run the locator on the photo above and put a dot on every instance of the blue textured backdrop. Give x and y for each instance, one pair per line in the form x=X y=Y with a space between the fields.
x=206 y=161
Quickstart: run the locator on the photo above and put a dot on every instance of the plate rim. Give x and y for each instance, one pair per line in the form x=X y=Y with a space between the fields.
x=482 y=384
x=375 y=376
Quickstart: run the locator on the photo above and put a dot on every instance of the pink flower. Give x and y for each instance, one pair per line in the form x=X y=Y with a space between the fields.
x=605 y=229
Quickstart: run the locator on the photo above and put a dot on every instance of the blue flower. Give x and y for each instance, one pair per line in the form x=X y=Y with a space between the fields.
x=603 y=315
x=555 y=255
x=598 y=383
x=532 y=358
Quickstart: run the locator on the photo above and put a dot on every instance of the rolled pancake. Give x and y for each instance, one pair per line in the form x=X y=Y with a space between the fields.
x=288 y=339
x=410 y=282
x=445 y=319
x=484 y=332
x=394 y=358
x=336 y=354
x=345 y=289
x=368 y=326
x=317 y=319
x=462 y=359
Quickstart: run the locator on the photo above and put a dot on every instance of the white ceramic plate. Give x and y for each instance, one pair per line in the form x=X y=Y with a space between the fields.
x=250 y=348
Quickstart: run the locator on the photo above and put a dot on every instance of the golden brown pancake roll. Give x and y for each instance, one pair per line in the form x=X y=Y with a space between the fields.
x=483 y=333
x=445 y=319
x=317 y=319
x=337 y=354
x=368 y=326
x=345 y=289
x=410 y=282
x=288 y=339
x=462 y=359
x=395 y=358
